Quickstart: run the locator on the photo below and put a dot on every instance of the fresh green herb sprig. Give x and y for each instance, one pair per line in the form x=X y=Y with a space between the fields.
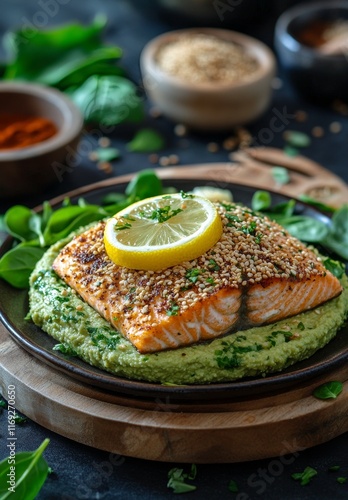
x=34 y=232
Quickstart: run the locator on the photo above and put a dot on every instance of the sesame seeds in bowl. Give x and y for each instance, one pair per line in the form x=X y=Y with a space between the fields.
x=208 y=79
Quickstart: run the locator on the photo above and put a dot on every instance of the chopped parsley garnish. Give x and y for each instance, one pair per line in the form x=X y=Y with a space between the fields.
x=65 y=349
x=210 y=281
x=232 y=486
x=305 y=476
x=230 y=356
x=173 y=310
x=19 y=419
x=249 y=229
x=341 y=480
x=119 y=226
x=232 y=218
x=162 y=214
x=192 y=274
x=301 y=326
x=184 y=195
x=177 y=479
x=213 y=266
x=258 y=238
x=334 y=468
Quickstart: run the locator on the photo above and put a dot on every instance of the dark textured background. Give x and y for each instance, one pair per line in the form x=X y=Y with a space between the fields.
x=76 y=466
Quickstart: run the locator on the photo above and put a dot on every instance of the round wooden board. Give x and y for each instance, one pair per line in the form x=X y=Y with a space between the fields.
x=226 y=431
x=222 y=431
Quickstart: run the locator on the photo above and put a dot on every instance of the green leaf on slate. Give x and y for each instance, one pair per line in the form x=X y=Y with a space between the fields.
x=261 y=200
x=290 y=151
x=107 y=154
x=305 y=476
x=31 y=471
x=146 y=141
x=297 y=139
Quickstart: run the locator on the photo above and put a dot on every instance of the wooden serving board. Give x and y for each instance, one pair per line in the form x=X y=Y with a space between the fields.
x=207 y=432
x=228 y=431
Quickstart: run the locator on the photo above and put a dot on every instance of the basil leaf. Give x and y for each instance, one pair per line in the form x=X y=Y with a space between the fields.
x=330 y=390
x=146 y=141
x=108 y=100
x=261 y=200
x=17 y=264
x=31 y=471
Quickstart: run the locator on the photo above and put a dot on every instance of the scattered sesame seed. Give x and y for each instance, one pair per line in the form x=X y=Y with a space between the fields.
x=105 y=166
x=173 y=159
x=180 y=130
x=317 y=132
x=301 y=116
x=104 y=142
x=93 y=156
x=335 y=127
x=153 y=158
x=212 y=147
x=164 y=161
x=230 y=143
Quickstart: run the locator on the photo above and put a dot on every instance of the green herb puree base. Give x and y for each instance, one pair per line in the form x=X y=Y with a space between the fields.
x=60 y=312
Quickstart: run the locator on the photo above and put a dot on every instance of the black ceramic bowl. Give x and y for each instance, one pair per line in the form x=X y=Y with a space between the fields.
x=319 y=77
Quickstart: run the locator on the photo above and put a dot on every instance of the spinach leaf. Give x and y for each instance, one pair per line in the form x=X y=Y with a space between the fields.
x=317 y=204
x=76 y=65
x=108 y=100
x=261 y=200
x=31 y=473
x=146 y=140
x=17 y=264
x=34 y=55
x=297 y=139
x=144 y=185
x=330 y=390
x=305 y=228
x=336 y=267
x=107 y=154
x=337 y=239
x=17 y=222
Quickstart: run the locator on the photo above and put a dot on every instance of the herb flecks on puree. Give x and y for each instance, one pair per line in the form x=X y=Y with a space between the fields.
x=59 y=311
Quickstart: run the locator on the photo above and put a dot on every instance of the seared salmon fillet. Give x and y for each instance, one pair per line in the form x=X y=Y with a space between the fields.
x=255 y=274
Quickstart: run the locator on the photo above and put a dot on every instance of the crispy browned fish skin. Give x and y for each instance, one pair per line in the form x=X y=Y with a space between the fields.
x=256 y=274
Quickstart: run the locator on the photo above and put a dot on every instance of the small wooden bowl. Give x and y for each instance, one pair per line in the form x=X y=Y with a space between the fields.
x=209 y=106
x=31 y=169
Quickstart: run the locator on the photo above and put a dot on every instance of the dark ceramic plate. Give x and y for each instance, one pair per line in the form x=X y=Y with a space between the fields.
x=14 y=307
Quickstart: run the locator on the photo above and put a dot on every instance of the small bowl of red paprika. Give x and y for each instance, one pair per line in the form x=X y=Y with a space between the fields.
x=39 y=129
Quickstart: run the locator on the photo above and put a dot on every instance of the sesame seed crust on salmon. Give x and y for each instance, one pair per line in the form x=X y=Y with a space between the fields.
x=255 y=274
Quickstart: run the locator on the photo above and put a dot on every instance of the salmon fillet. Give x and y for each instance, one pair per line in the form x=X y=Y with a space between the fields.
x=255 y=274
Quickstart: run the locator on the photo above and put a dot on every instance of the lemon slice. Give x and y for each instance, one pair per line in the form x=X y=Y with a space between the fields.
x=162 y=231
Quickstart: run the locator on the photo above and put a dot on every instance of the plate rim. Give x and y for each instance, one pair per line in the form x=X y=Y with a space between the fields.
x=275 y=382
